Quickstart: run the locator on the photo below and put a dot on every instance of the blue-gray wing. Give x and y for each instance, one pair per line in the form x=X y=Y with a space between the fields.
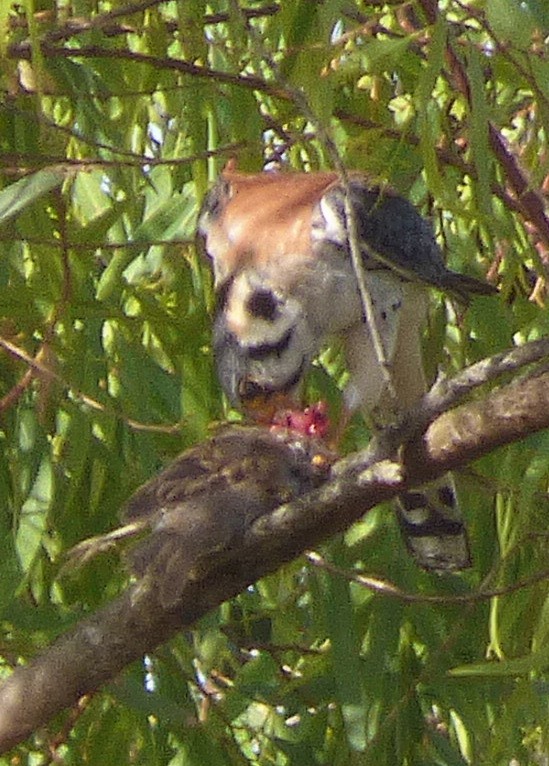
x=393 y=235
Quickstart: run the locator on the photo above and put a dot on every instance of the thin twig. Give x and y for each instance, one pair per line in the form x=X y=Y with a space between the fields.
x=251 y=82
x=38 y=367
x=85 y=246
x=16 y=160
x=351 y=226
x=386 y=588
x=532 y=202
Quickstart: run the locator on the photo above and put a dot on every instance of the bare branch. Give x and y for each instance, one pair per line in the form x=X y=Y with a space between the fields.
x=253 y=82
x=385 y=588
x=37 y=367
x=103 y=644
x=531 y=201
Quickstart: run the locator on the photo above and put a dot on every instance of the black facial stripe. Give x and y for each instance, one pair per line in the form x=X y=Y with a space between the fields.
x=264 y=350
x=222 y=294
x=263 y=305
x=434 y=529
x=369 y=263
x=249 y=389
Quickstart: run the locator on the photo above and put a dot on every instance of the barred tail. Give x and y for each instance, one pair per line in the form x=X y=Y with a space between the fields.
x=433 y=526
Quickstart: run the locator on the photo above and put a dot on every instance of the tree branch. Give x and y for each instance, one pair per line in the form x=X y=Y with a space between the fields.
x=530 y=200
x=251 y=82
x=240 y=535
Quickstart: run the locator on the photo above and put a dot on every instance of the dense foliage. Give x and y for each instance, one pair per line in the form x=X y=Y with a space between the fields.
x=114 y=119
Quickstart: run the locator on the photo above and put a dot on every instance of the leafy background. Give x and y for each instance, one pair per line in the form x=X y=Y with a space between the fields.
x=114 y=120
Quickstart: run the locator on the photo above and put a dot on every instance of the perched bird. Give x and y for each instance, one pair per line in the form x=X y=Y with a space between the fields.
x=201 y=505
x=285 y=283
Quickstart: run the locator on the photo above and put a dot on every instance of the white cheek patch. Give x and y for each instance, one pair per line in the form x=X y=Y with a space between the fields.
x=329 y=223
x=251 y=330
x=277 y=369
x=253 y=351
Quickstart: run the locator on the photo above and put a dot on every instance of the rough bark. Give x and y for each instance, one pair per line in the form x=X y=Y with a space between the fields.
x=100 y=646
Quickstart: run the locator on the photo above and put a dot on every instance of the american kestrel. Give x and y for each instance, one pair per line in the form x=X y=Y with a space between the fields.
x=285 y=284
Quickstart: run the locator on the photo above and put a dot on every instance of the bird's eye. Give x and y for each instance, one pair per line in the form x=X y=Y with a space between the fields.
x=214 y=202
x=263 y=305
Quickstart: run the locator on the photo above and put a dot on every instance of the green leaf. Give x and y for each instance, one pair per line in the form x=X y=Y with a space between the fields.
x=540 y=13
x=520 y=666
x=380 y=55
x=428 y=108
x=169 y=218
x=111 y=279
x=347 y=667
x=479 y=134
x=4 y=28
x=34 y=514
x=511 y=21
x=23 y=193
